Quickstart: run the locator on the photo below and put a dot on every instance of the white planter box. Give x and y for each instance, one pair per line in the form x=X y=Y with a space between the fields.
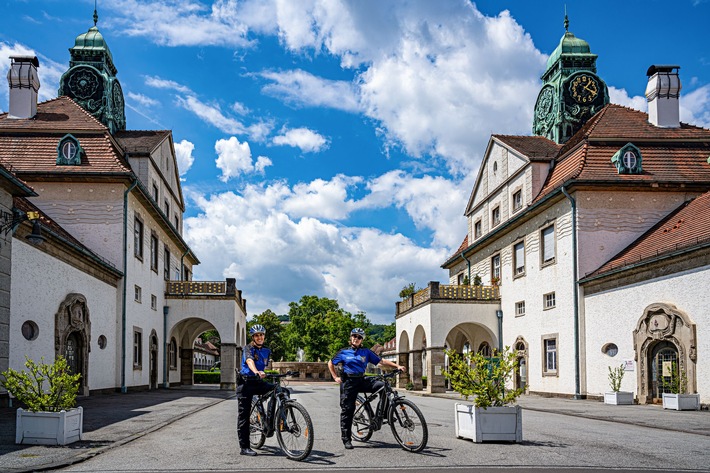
x=491 y=424
x=619 y=398
x=49 y=428
x=681 y=402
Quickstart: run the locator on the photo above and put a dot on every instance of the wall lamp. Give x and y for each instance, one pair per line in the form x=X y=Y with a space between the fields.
x=10 y=221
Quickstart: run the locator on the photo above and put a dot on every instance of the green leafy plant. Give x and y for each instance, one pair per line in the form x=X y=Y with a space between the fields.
x=615 y=377
x=408 y=290
x=477 y=281
x=465 y=281
x=495 y=281
x=43 y=387
x=409 y=386
x=677 y=382
x=473 y=374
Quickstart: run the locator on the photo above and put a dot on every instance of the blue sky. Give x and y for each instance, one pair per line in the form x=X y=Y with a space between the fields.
x=329 y=147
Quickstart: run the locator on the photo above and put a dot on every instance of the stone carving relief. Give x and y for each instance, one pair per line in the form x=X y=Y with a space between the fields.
x=73 y=318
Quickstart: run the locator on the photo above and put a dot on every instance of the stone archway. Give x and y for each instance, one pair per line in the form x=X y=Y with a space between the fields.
x=72 y=336
x=403 y=359
x=663 y=323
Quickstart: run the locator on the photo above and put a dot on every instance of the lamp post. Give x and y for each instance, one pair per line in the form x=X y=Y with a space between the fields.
x=10 y=222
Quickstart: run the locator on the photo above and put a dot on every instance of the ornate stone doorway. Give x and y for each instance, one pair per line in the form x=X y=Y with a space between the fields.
x=521 y=371
x=153 y=366
x=72 y=335
x=664 y=335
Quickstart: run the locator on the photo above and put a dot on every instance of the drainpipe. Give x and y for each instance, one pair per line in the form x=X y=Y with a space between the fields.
x=125 y=277
x=166 y=383
x=577 y=394
x=182 y=264
x=469 y=268
x=499 y=314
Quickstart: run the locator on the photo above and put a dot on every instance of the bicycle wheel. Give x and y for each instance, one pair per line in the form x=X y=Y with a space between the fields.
x=257 y=436
x=408 y=425
x=362 y=421
x=294 y=430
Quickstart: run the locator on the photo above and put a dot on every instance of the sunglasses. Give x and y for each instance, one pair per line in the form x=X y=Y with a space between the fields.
x=356 y=336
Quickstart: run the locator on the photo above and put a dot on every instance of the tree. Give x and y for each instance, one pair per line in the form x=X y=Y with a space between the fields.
x=274 y=329
x=408 y=290
x=211 y=336
x=381 y=333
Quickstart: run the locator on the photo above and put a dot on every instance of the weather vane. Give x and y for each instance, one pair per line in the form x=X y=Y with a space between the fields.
x=96 y=15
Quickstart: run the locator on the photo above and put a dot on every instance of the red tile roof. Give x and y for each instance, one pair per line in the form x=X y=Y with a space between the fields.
x=669 y=155
x=687 y=226
x=30 y=145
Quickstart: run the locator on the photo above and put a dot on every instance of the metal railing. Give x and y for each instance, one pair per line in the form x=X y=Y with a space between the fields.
x=185 y=289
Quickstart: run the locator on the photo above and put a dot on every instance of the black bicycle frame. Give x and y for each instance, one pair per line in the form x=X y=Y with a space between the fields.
x=379 y=416
x=279 y=395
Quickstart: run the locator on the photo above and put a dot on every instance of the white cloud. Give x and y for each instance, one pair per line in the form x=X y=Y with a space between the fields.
x=278 y=254
x=695 y=107
x=307 y=140
x=183 y=153
x=303 y=88
x=212 y=114
x=621 y=97
x=321 y=198
x=143 y=100
x=160 y=83
x=49 y=72
x=234 y=159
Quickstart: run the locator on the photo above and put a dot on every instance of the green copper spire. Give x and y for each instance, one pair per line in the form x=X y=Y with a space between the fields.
x=91 y=79
x=571 y=93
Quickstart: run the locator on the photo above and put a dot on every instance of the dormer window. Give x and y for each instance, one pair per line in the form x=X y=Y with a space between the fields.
x=628 y=160
x=69 y=151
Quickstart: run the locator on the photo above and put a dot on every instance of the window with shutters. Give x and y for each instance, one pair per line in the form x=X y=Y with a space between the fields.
x=547 y=237
x=519 y=259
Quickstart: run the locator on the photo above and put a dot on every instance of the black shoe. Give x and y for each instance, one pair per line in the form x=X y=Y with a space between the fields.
x=249 y=452
x=348 y=445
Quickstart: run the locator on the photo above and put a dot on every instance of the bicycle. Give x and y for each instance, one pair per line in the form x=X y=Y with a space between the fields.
x=405 y=419
x=283 y=416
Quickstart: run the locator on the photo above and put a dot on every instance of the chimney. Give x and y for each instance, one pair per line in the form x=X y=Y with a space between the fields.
x=24 y=84
x=662 y=93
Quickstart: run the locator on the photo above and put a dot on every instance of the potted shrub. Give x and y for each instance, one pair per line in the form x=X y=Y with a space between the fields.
x=678 y=398
x=617 y=397
x=492 y=417
x=48 y=391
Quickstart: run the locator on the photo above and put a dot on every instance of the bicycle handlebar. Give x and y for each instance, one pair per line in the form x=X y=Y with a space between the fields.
x=288 y=373
x=391 y=374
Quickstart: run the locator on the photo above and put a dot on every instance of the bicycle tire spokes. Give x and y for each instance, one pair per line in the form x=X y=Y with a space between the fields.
x=295 y=431
x=408 y=425
x=257 y=434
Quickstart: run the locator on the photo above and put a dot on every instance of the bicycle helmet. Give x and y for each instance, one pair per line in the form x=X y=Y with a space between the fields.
x=257 y=329
x=358 y=331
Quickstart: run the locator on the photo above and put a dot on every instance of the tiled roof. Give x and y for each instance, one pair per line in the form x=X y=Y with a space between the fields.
x=531 y=146
x=140 y=140
x=30 y=146
x=60 y=114
x=688 y=226
x=669 y=155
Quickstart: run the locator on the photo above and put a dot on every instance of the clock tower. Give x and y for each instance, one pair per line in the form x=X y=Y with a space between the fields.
x=91 y=79
x=571 y=92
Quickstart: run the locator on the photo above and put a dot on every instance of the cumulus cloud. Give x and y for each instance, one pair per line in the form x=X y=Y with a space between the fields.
x=307 y=140
x=302 y=88
x=695 y=107
x=234 y=159
x=183 y=153
x=621 y=97
x=278 y=255
x=160 y=83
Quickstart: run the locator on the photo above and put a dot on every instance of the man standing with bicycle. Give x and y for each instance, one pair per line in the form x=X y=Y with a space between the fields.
x=353 y=380
x=250 y=382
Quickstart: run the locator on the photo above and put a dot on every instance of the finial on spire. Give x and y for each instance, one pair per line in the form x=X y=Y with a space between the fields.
x=96 y=15
x=566 y=20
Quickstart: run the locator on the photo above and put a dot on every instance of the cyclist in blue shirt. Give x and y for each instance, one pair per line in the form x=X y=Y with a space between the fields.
x=250 y=382
x=353 y=380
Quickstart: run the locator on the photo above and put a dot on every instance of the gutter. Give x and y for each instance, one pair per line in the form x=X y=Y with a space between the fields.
x=125 y=274
x=166 y=383
x=577 y=394
x=468 y=261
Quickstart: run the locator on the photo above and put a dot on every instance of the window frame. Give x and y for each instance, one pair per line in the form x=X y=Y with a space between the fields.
x=166 y=263
x=518 y=306
x=495 y=212
x=137 y=294
x=516 y=273
x=154 y=245
x=172 y=354
x=156 y=192
x=477 y=229
x=137 y=348
x=154 y=302
x=546 y=298
x=553 y=259
x=519 y=206
x=496 y=270
x=546 y=369
x=138 y=236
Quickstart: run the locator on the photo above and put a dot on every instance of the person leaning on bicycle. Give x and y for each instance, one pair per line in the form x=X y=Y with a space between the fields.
x=250 y=382
x=353 y=380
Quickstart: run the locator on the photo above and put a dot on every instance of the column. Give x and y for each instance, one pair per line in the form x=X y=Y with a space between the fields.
x=228 y=360
x=435 y=370
x=416 y=377
x=403 y=379
x=186 y=366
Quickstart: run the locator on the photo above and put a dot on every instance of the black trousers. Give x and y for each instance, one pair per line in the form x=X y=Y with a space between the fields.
x=245 y=392
x=348 y=395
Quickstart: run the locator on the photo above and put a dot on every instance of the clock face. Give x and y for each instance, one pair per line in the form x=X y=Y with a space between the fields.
x=544 y=103
x=584 y=89
x=117 y=96
x=85 y=84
